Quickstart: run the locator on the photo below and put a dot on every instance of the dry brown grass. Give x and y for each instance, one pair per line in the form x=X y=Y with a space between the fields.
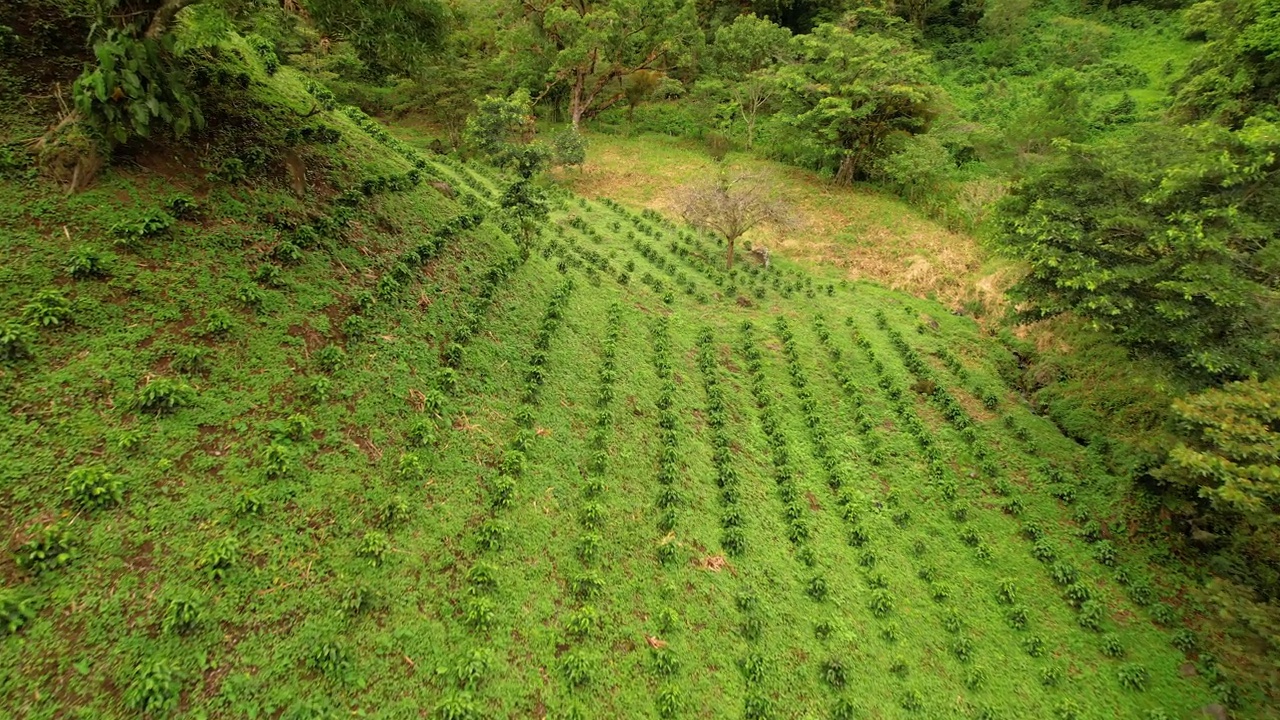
x=865 y=234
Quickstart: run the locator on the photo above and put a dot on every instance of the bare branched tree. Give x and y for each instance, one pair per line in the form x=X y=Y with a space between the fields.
x=732 y=204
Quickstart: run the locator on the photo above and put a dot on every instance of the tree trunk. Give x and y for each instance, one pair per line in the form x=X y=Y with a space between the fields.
x=729 y=261
x=848 y=167
x=575 y=101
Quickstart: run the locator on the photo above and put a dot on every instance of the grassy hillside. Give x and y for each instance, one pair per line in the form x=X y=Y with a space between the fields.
x=349 y=453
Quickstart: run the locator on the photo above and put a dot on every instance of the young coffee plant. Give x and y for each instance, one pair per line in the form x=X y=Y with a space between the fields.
x=50 y=547
x=374 y=546
x=16 y=341
x=154 y=688
x=93 y=488
x=330 y=658
x=86 y=262
x=219 y=557
x=163 y=395
x=181 y=615
x=1134 y=677
x=16 y=610
x=49 y=308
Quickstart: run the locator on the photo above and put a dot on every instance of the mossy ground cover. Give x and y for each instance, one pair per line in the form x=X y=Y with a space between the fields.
x=387 y=466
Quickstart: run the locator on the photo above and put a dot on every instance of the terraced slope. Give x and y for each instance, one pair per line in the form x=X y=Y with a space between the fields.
x=362 y=457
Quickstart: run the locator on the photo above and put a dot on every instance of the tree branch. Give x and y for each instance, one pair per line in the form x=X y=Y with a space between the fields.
x=164 y=17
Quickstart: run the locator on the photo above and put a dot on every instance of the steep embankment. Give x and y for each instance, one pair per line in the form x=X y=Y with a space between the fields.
x=351 y=452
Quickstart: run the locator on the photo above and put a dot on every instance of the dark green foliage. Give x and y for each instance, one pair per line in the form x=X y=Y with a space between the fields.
x=1139 y=239
x=49 y=308
x=49 y=547
x=163 y=395
x=154 y=688
x=181 y=615
x=16 y=610
x=1133 y=676
x=16 y=341
x=85 y=262
x=220 y=557
x=135 y=88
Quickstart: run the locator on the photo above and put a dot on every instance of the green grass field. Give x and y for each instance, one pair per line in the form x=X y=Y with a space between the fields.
x=355 y=456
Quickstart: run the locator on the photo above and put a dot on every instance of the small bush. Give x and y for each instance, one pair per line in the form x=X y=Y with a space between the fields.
x=132 y=232
x=834 y=673
x=817 y=588
x=181 y=615
x=479 y=613
x=1112 y=646
x=583 y=621
x=164 y=395
x=1134 y=677
x=217 y=323
x=190 y=360
x=92 y=487
x=1091 y=615
x=1018 y=617
x=374 y=546
x=330 y=358
x=669 y=702
x=578 y=670
x=881 y=603
x=49 y=548
x=1033 y=645
x=1067 y=709
x=16 y=341
x=16 y=610
x=219 y=557
x=49 y=308
x=85 y=262
x=154 y=688
x=1184 y=640
x=329 y=658
x=1051 y=676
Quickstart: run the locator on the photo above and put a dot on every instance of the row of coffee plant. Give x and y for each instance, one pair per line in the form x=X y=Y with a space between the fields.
x=794 y=511
x=577 y=667
x=1091 y=612
x=479 y=608
x=861 y=415
x=668 y=700
x=728 y=480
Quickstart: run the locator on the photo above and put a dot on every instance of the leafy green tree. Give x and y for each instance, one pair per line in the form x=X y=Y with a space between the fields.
x=854 y=91
x=391 y=36
x=747 y=45
x=525 y=209
x=1169 y=243
x=590 y=47
x=1237 y=72
x=1230 y=461
x=743 y=55
x=500 y=127
x=569 y=149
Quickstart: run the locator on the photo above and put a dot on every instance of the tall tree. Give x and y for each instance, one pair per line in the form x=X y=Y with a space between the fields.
x=1169 y=243
x=732 y=205
x=743 y=55
x=1229 y=465
x=1237 y=72
x=856 y=87
x=591 y=47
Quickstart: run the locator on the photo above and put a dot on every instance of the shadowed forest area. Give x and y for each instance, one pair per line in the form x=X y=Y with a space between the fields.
x=640 y=358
